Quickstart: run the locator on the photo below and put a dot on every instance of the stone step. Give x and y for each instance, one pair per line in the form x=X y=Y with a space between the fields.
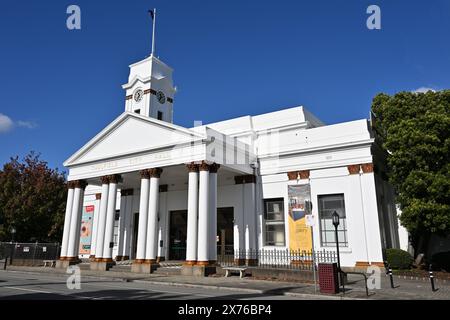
x=168 y=271
x=121 y=268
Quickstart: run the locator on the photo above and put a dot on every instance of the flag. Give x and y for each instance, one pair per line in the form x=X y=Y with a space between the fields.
x=152 y=14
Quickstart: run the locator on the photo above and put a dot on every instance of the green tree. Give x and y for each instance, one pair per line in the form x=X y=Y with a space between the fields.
x=32 y=199
x=414 y=130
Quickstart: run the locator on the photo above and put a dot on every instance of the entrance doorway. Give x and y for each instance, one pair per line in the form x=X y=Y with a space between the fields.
x=135 y=235
x=177 y=235
x=225 y=238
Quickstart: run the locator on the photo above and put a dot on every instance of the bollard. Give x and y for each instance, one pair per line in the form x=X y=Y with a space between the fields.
x=432 y=279
x=391 y=277
x=389 y=272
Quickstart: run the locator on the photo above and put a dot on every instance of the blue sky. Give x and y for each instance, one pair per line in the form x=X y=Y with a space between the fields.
x=231 y=58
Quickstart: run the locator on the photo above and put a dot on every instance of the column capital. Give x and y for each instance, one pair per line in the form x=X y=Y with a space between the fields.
x=71 y=185
x=144 y=174
x=105 y=179
x=115 y=178
x=81 y=184
x=214 y=167
x=155 y=172
x=292 y=175
x=163 y=188
x=98 y=196
x=192 y=167
x=304 y=174
x=367 y=167
x=353 y=169
x=203 y=166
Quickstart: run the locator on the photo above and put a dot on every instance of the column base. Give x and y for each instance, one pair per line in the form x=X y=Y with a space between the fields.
x=118 y=258
x=144 y=267
x=198 y=270
x=190 y=263
x=239 y=262
x=159 y=259
x=101 y=265
x=125 y=258
x=251 y=262
x=64 y=263
x=92 y=258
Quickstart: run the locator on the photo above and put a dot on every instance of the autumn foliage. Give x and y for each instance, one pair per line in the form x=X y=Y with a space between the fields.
x=32 y=200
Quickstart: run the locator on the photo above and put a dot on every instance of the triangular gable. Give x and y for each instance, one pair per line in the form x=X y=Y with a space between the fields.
x=132 y=133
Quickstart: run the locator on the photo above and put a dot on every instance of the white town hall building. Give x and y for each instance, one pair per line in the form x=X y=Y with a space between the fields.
x=147 y=190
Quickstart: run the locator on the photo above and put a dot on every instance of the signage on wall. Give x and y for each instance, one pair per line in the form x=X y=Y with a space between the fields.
x=299 y=211
x=86 y=229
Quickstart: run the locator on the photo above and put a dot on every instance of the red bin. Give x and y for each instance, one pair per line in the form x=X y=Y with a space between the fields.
x=328 y=278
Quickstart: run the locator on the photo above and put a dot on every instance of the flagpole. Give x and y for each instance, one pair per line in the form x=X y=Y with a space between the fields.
x=153 y=35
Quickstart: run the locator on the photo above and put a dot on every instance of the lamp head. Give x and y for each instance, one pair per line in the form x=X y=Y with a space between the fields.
x=335 y=219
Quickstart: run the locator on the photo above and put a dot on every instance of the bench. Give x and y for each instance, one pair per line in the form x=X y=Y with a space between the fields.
x=50 y=263
x=229 y=270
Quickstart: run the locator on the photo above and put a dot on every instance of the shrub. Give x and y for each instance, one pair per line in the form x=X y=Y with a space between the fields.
x=399 y=259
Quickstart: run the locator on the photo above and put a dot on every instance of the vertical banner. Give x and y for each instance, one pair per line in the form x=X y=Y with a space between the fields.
x=86 y=230
x=299 y=232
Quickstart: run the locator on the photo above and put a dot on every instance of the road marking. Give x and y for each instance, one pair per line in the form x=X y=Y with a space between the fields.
x=23 y=289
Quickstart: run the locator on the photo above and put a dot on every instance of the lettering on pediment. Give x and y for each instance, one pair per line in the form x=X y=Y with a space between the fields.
x=104 y=166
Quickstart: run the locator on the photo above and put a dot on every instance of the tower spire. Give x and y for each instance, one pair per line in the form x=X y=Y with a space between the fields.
x=153 y=15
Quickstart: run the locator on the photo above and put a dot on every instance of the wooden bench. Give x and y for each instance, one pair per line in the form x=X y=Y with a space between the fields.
x=50 y=263
x=229 y=270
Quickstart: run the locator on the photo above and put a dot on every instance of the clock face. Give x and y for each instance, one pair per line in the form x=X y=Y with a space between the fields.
x=138 y=95
x=161 y=97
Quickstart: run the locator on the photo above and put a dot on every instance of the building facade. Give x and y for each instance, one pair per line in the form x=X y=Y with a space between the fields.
x=146 y=190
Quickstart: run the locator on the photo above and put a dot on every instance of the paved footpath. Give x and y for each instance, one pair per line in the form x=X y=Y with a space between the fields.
x=50 y=283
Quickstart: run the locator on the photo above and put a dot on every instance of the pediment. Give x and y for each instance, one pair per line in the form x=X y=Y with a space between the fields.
x=130 y=134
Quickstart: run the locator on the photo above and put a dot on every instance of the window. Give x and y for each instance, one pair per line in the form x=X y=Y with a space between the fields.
x=274 y=222
x=327 y=205
x=138 y=111
x=116 y=227
x=160 y=115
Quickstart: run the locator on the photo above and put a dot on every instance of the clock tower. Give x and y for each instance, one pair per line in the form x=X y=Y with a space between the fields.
x=150 y=91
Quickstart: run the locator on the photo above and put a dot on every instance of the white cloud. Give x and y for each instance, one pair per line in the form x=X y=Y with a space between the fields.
x=27 y=124
x=424 y=90
x=6 y=124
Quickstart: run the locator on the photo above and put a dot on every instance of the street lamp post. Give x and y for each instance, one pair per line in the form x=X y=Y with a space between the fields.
x=13 y=233
x=335 y=219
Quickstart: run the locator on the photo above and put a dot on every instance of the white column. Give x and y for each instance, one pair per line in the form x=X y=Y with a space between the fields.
x=162 y=224
x=250 y=217
x=143 y=215
x=152 y=223
x=102 y=218
x=127 y=237
x=371 y=216
x=203 y=208
x=192 y=215
x=72 y=253
x=78 y=229
x=67 y=218
x=213 y=212
x=122 y=219
x=95 y=225
x=110 y=217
